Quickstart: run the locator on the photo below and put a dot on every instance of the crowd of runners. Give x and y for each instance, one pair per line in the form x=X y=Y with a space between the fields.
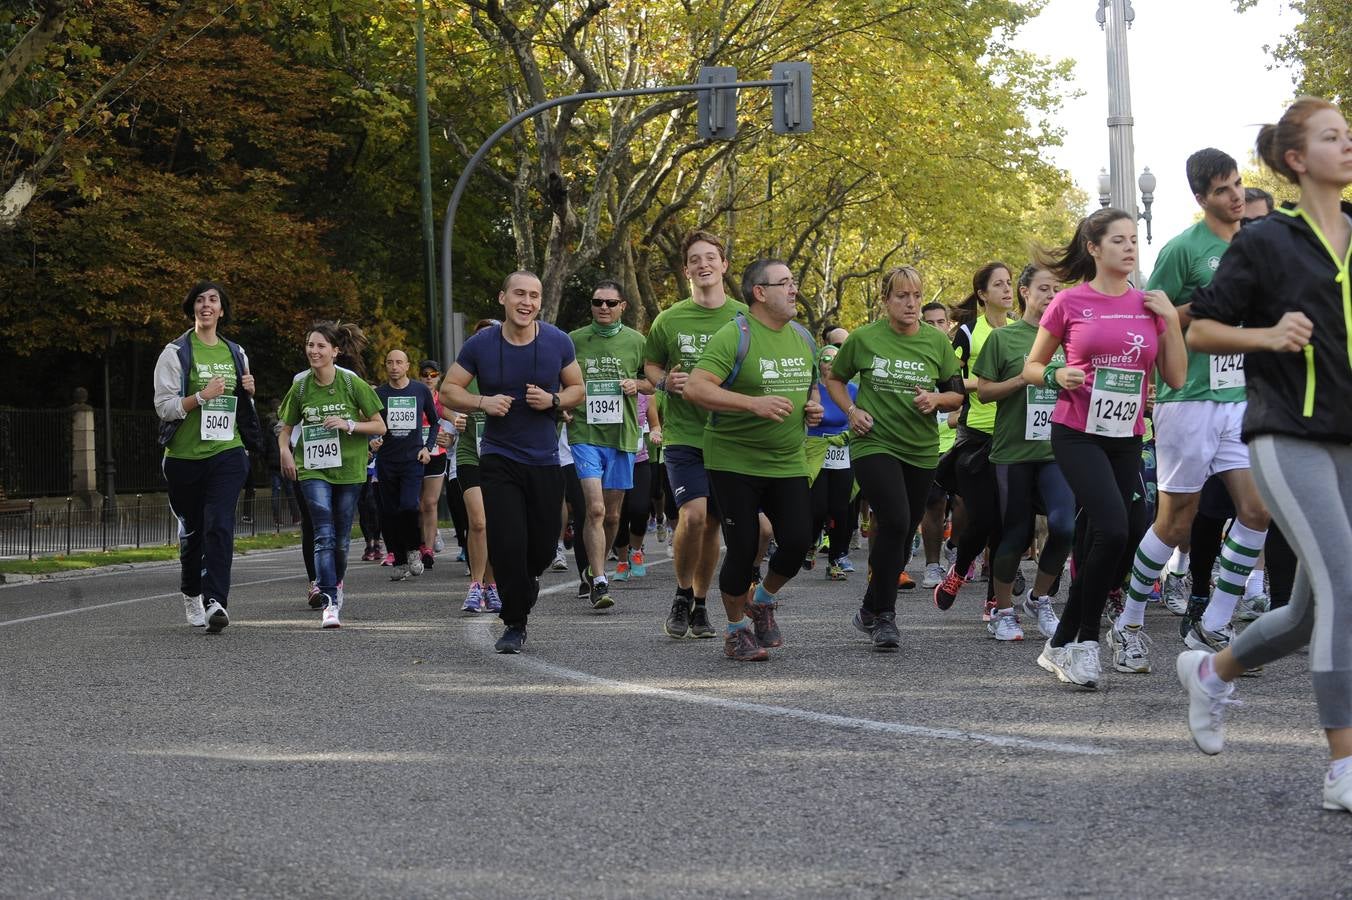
x=1188 y=444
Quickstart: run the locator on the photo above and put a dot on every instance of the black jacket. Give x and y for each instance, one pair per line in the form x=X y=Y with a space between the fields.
x=1277 y=265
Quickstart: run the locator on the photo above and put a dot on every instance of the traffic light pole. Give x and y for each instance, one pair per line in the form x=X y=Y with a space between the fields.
x=448 y=338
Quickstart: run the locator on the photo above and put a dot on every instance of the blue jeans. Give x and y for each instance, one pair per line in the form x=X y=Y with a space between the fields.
x=332 y=507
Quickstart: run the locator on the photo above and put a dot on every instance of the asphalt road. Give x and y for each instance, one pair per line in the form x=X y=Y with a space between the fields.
x=400 y=757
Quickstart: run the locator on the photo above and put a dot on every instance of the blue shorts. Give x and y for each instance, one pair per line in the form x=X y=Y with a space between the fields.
x=689 y=479
x=614 y=467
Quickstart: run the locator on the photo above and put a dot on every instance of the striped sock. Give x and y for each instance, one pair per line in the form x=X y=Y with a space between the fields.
x=1239 y=554
x=1151 y=556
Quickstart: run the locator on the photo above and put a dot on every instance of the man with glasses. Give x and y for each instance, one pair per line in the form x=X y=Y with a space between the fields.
x=675 y=342
x=757 y=376
x=604 y=433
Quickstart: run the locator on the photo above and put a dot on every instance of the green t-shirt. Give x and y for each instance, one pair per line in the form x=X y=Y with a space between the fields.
x=207 y=363
x=677 y=337
x=890 y=367
x=467 y=445
x=777 y=362
x=607 y=418
x=1017 y=438
x=1185 y=264
x=335 y=456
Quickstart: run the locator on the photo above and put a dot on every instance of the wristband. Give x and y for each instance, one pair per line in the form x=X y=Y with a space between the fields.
x=1049 y=375
x=850 y=410
x=351 y=426
x=200 y=401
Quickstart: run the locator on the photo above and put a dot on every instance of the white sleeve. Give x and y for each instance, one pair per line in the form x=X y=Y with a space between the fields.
x=168 y=384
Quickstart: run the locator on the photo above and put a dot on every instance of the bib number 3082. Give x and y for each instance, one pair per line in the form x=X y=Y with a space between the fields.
x=322 y=450
x=1115 y=402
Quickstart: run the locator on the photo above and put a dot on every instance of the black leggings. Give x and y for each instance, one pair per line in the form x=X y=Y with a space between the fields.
x=896 y=493
x=368 y=512
x=521 y=504
x=455 y=501
x=741 y=499
x=577 y=511
x=831 y=501
x=1093 y=465
x=980 y=497
x=638 y=505
x=1021 y=486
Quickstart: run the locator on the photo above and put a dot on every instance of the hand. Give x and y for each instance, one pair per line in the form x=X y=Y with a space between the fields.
x=444 y=439
x=860 y=421
x=772 y=407
x=337 y=423
x=629 y=386
x=926 y=401
x=1069 y=377
x=1158 y=303
x=246 y=381
x=1291 y=333
x=539 y=399
x=375 y=443
x=424 y=456
x=496 y=405
x=655 y=437
x=676 y=380
x=288 y=465
x=812 y=413
x=460 y=421
x=213 y=388
x=954 y=418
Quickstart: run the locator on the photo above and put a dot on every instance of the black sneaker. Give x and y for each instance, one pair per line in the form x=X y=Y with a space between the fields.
x=583 y=591
x=864 y=621
x=699 y=622
x=678 y=623
x=512 y=639
x=885 y=634
x=1196 y=606
x=599 y=595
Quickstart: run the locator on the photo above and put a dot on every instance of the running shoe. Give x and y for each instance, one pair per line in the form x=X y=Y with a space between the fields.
x=194 y=610
x=834 y=572
x=1057 y=661
x=988 y=609
x=934 y=576
x=905 y=582
x=845 y=564
x=1338 y=793
x=461 y=557
x=1192 y=615
x=638 y=564
x=330 y=617
x=1206 y=714
x=217 y=617
x=398 y=573
x=612 y=556
x=315 y=599
x=474 y=598
x=492 y=602
x=438 y=544
x=824 y=546
x=512 y=640
x=947 y=591
x=809 y=561
x=415 y=563
x=661 y=532
x=1156 y=591
x=864 y=621
x=1131 y=649
x=741 y=644
x=678 y=620
x=1199 y=638
x=978 y=570
x=560 y=563
x=426 y=557
x=369 y=554
x=762 y=616
x=584 y=589
x=599 y=595
x=1004 y=626
x=1086 y=669
x=948 y=555
x=388 y=560
x=1251 y=608
x=885 y=635
x=652 y=525
x=622 y=570
x=1020 y=583
x=1041 y=609
x=1175 y=594
x=699 y=622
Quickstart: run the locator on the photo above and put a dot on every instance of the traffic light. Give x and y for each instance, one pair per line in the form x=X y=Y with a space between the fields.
x=792 y=105
x=716 y=117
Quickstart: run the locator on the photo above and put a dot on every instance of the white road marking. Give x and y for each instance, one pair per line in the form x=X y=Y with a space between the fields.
x=71 y=612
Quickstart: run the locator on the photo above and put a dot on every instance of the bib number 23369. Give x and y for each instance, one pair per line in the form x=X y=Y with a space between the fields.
x=322 y=450
x=603 y=403
x=1115 y=403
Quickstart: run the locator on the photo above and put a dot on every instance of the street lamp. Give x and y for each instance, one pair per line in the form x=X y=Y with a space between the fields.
x=1147 y=185
x=1105 y=188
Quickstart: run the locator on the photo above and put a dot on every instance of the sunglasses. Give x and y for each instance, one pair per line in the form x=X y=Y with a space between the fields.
x=609 y=304
x=430 y=373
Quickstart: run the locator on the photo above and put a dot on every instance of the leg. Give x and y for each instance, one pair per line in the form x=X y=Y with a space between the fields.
x=887 y=484
x=739 y=504
x=319 y=499
x=576 y=501
x=345 y=497
x=187 y=501
x=430 y=497
x=839 y=483
x=508 y=509
x=1015 y=485
x=593 y=527
x=224 y=476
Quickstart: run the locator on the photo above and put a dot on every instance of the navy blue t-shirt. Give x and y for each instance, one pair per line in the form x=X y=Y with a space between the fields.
x=524 y=435
x=402 y=439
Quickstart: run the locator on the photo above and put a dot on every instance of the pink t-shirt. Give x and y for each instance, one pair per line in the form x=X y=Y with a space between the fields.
x=1096 y=331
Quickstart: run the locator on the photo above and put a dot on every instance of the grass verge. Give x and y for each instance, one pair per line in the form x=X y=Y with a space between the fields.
x=94 y=559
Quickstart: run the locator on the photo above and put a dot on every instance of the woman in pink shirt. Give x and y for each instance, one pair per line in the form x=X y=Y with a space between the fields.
x=1114 y=336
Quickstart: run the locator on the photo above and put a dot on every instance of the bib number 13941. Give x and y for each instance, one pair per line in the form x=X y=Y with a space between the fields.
x=603 y=403
x=1115 y=402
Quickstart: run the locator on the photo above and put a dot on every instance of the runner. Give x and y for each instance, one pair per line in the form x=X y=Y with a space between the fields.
x=401 y=456
x=434 y=470
x=1113 y=335
x=204 y=398
x=641 y=500
x=756 y=377
x=675 y=342
x=605 y=434
x=482 y=594
x=1197 y=434
x=1025 y=469
x=832 y=477
x=939 y=502
x=337 y=412
x=526 y=375
x=907 y=374
x=1288 y=281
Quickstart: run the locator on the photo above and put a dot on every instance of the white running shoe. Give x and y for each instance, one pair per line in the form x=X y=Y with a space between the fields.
x=217 y=618
x=415 y=563
x=193 y=609
x=439 y=544
x=1206 y=714
x=401 y=573
x=1004 y=626
x=560 y=563
x=934 y=575
x=1131 y=649
x=330 y=619
x=1086 y=669
x=1056 y=660
x=1338 y=793
x=1251 y=608
x=1199 y=638
x=1176 y=591
x=1041 y=609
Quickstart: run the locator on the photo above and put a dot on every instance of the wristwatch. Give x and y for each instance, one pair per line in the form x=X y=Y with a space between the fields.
x=556 y=400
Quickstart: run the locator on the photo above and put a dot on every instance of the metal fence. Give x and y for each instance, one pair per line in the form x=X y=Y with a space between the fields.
x=136 y=450
x=137 y=521
x=35 y=451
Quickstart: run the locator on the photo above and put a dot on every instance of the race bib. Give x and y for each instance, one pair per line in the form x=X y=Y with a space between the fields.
x=218 y=418
x=401 y=414
x=1115 y=403
x=322 y=450
x=837 y=457
x=1038 y=420
x=604 y=403
x=1227 y=371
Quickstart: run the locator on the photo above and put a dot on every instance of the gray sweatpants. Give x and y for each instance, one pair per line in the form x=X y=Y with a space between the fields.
x=1308 y=488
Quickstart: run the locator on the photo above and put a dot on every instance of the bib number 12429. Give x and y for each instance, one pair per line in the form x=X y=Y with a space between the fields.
x=1115 y=403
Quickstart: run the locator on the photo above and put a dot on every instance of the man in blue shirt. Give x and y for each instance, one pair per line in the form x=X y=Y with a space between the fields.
x=400 y=456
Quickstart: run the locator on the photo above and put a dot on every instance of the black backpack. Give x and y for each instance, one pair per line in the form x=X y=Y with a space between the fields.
x=246 y=416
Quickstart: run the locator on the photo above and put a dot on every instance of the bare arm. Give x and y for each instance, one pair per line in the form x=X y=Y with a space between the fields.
x=1291 y=333
x=704 y=389
x=988 y=391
